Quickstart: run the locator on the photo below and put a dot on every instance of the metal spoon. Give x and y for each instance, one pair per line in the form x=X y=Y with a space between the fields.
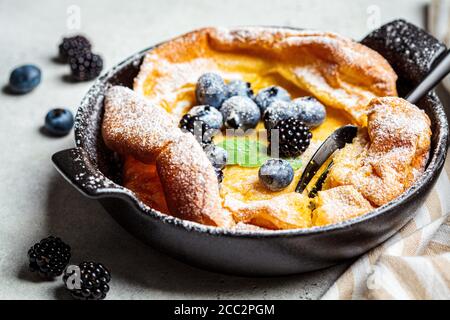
x=345 y=134
x=336 y=140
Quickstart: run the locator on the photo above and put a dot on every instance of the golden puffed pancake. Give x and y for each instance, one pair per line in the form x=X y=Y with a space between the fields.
x=285 y=211
x=190 y=183
x=339 y=204
x=339 y=72
x=132 y=125
x=381 y=163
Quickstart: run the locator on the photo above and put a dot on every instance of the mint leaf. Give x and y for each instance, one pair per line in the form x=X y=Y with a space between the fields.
x=249 y=153
x=244 y=152
x=295 y=163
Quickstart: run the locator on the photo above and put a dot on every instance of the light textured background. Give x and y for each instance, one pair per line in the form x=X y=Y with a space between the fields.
x=34 y=199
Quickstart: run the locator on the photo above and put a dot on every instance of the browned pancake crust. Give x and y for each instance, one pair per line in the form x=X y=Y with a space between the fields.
x=336 y=70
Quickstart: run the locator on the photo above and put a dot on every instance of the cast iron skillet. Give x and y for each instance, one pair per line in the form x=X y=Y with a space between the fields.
x=95 y=171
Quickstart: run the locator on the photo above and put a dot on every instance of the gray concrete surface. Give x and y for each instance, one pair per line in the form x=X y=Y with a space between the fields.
x=34 y=199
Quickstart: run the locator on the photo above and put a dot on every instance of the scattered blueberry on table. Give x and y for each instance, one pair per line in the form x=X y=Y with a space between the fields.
x=59 y=122
x=276 y=174
x=25 y=78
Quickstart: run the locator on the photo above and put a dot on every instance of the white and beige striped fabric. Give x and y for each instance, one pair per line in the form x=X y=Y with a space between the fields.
x=413 y=264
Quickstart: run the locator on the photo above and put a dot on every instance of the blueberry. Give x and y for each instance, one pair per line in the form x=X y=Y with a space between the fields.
x=240 y=113
x=217 y=155
x=211 y=90
x=277 y=111
x=239 y=88
x=24 y=78
x=59 y=122
x=311 y=111
x=268 y=95
x=276 y=174
x=211 y=116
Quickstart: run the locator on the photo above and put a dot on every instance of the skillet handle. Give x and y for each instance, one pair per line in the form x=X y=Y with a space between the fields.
x=76 y=167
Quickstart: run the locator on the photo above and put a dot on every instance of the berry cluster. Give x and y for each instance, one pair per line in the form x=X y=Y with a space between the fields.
x=234 y=106
x=84 y=64
x=50 y=258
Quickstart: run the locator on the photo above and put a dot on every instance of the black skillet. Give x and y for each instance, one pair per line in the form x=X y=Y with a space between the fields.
x=95 y=171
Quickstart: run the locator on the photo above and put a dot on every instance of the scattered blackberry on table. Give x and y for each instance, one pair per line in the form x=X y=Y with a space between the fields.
x=240 y=113
x=209 y=115
x=310 y=111
x=270 y=94
x=211 y=90
x=239 y=88
x=201 y=131
x=217 y=155
x=276 y=174
x=86 y=66
x=294 y=137
x=49 y=257
x=25 y=78
x=93 y=281
x=59 y=122
x=72 y=47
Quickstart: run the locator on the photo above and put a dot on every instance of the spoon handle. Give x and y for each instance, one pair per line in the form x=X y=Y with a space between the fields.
x=431 y=80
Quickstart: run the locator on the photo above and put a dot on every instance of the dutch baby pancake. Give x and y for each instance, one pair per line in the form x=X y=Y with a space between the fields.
x=221 y=122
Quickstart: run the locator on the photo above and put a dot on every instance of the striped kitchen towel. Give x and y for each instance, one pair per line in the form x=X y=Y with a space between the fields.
x=413 y=264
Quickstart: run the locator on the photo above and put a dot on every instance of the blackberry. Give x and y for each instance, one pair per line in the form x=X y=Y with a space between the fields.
x=49 y=257
x=86 y=66
x=294 y=137
x=196 y=126
x=72 y=47
x=91 y=278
